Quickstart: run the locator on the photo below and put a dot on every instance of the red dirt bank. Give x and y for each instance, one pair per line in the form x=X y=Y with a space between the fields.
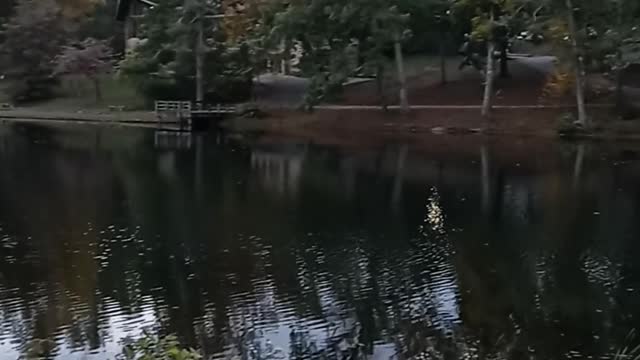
x=525 y=87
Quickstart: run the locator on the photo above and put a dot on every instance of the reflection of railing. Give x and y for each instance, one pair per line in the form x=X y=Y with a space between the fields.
x=279 y=172
x=173 y=140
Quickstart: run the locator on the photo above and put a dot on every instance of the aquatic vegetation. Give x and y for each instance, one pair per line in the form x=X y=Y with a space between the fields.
x=153 y=347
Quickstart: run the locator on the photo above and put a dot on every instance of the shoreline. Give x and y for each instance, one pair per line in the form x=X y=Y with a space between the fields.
x=40 y=120
x=88 y=116
x=506 y=121
x=515 y=122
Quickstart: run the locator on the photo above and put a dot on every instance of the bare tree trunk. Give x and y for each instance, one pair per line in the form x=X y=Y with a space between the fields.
x=98 y=89
x=287 y=56
x=620 y=67
x=380 y=86
x=620 y=105
x=484 y=180
x=200 y=63
x=489 y=79
x=200 y=164
x=580 y=85
x=443 y=58
x=504 y=60
x=128 y=33
x=578 y=65
x=404 y=102
x=578 y=165
x=399 y=177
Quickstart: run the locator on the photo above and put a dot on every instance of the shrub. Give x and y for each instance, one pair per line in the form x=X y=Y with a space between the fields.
x=151 y=347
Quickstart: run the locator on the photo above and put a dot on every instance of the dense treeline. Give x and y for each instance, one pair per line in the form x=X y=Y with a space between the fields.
x=211 y=50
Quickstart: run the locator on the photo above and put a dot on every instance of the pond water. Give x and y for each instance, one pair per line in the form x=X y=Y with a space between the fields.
x=284 y=249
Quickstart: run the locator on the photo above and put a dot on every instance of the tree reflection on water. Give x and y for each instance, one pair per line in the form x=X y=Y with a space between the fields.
x=292 y=250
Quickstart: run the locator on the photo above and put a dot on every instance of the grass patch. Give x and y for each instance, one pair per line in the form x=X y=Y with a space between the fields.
x=77 y=93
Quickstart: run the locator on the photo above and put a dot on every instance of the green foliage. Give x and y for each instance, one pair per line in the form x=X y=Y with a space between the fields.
x=33 y=37
x=38 y=349
x=339 y=39
x=495 y=20
x=6 y=8
x=102 y=25
x=607 y=36
x=152 y=347
x=90 y=58
x=150 y=65
x=163 y=65
x=77 y=9
x=428 y=22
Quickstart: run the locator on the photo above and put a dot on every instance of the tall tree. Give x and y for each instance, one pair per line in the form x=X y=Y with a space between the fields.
x=578 y=63
x=487 y=100
x=340 y=39
x=101 y=24
x=585 y=39
x=33 y=37
x=402 y=82
x=165 y=65
x=489 y=21
x=90 y=58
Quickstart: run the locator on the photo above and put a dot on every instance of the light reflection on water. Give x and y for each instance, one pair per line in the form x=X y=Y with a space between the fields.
x=285 y=249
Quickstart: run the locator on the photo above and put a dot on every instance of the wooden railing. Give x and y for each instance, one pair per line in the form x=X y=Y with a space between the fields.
x=184 y=113
x=173 y=112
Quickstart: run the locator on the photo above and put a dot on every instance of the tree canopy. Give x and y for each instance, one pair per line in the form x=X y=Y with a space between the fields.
x=165 y=63
x=32 y=39
x=215 y=47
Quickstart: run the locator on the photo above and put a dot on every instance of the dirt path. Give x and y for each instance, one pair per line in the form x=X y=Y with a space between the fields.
x=523 y=87
x=461 y=107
